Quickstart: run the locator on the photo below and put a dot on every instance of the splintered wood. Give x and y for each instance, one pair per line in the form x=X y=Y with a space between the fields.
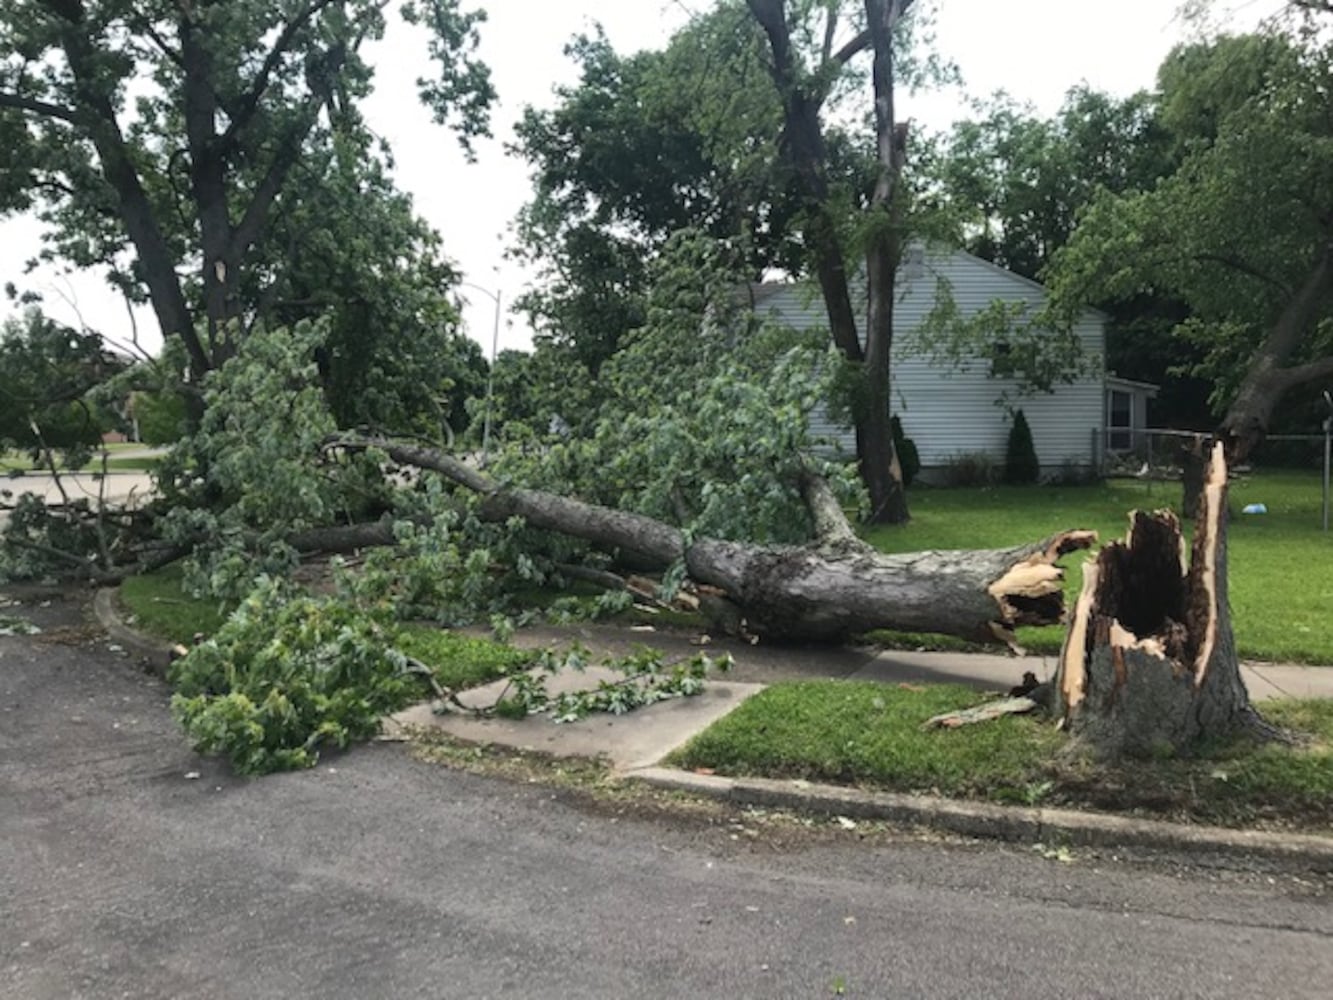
x=1149 y=662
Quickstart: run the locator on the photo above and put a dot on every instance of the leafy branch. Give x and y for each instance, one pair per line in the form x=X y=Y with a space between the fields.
x=645 y=678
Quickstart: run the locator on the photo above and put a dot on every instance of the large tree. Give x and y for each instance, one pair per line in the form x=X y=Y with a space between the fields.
x=166 y=139
x=642 y=146
x=805 y=65
x=1241 y=233
x=724 y=133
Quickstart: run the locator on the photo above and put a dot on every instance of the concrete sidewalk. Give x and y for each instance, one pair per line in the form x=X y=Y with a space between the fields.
x=647 y=735
x=117 y=487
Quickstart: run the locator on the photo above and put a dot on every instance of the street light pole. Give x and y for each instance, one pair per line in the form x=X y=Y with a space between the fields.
x=1328 y=450
x=495 y=297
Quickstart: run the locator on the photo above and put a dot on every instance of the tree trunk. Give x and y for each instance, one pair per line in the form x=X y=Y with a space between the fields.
x=880 y=467
x=806 y=154
x=831 y=590
x=1193 y=470
x=1150 y=662
x=1270 y=373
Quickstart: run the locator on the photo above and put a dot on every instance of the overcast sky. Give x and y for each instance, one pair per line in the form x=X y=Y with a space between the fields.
x=1035 y=49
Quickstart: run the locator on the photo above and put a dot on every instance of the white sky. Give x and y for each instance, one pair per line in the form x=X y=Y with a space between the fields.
x=1034 y=49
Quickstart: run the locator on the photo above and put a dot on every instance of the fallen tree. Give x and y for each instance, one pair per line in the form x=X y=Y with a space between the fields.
x=834 y=588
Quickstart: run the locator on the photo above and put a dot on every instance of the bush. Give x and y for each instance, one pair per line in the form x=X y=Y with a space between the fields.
x=1020 y=460
x=973 y=468
x=908 y=457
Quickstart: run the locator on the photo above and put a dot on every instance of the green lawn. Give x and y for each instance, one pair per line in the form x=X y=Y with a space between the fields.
x=870 y=735
x=159 y=607
x=1281 y=563
x=11 y=461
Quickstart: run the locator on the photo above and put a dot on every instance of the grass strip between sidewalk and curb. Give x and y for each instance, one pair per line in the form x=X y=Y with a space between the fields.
x=160 y=614
x=869 y=735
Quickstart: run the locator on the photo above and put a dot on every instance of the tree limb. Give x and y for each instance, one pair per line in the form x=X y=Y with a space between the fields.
x=145 y=26
x=87 y=567
x=243 y=112
x=1289 y=378
x=1246 y=420
x=830 y=28
x=118 y=167
x=1226 y=260
x=422 y=458
x=853 y=48
x=43 y=109
x=256 y=213
x=831 y=526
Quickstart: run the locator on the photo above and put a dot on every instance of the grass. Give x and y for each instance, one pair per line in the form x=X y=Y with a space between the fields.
x=21 y=462
x=161 y=608
x=458 y=661
x=1281 y=563
x=870 y=735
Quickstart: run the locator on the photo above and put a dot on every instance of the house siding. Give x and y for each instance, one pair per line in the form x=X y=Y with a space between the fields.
x=950 y=411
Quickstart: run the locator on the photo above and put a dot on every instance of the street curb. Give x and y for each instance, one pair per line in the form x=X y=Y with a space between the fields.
x=973 y=819
x=1011 y=823
x=154 y=653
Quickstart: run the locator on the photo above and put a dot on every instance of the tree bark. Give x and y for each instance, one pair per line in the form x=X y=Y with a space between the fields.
x=1149 y=663
x=829 y=591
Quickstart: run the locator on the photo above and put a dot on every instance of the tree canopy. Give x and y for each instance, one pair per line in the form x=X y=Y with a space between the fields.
x=1240 y=232
x=193 y=148
x=641 y=146
x=47 y=371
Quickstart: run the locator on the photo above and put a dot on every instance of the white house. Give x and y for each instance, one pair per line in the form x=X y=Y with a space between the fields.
x=950 y=410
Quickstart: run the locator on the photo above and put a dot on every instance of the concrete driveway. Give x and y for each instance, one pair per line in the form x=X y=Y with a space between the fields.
x=131 y=868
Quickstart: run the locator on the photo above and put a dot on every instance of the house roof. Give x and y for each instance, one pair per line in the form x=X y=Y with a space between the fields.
x=1116 y=382
x=761 y=291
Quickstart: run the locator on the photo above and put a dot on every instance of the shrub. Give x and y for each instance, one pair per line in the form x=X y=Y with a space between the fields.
x=1020 y=460
x=908 y=457
x=973 y=468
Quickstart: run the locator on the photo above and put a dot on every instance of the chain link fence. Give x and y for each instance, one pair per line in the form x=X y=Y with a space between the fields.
x=1156 y=456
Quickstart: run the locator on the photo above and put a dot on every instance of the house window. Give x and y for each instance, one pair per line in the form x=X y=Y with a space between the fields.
x=1120 y=421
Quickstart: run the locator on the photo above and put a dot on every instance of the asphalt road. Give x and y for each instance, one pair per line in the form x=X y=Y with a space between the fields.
x=376 y=875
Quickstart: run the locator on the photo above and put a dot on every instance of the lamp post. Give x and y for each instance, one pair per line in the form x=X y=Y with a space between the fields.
x=490 y=372
x=1328 y=450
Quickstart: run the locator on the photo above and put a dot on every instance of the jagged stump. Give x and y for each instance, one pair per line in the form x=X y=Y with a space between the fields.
x=1149 y=663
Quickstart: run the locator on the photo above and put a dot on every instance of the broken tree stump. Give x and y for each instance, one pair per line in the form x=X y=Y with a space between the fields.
x=1149 y=664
